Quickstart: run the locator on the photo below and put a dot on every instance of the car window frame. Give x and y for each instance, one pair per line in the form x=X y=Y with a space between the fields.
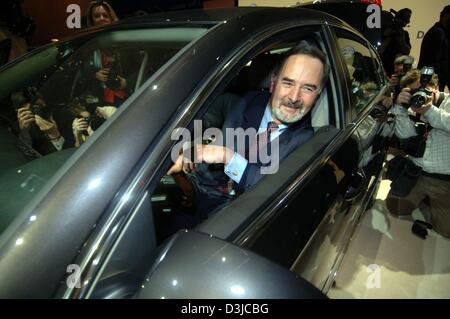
x=205 y=226
x=213 y=84
x=353 y=36
x=21 y=224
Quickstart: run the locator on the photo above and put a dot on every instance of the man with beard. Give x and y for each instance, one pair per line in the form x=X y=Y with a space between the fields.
x=435 y=49
x=281 y=118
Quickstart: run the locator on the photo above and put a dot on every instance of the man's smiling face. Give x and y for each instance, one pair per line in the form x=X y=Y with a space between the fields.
x=296 y=88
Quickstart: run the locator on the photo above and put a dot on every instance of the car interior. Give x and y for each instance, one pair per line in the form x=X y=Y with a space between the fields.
x=174 y=196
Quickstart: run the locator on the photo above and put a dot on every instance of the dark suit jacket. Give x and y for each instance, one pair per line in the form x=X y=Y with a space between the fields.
x=245 y=113
x=435 y=52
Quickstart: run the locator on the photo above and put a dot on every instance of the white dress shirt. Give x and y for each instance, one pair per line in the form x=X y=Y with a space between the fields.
x=436 y=158
x=235 y=169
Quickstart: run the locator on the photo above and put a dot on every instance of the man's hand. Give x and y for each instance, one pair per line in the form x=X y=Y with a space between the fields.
x=25 y=117
x=123 y=82
x=79 y=125
x=213 y=154
x=404 y=97
x=105 y=111
x=204 y=153
x=102 y=75
x=387 y=102
x=424 y=108
x=49 y=127
x=394 y=79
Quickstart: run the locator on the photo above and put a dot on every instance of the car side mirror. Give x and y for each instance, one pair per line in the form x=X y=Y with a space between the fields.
x=196 y=265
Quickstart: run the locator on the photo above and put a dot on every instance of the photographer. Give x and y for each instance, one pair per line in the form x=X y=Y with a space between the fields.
x=426 y=173
x=435 y=48
x=40 y=126
x=402 y=65
x=107 y=63
x=87 y=122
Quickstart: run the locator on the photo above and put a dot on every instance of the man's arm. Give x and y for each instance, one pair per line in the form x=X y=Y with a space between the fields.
x=439 y=118
x=50 y=129
x=404 y=126
x=221 y=108
x=404 y=44
x=236 y=167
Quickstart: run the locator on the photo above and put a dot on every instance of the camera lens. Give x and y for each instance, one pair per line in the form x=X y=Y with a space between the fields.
x=96 y=122
x=417 y=101
x=418 y=98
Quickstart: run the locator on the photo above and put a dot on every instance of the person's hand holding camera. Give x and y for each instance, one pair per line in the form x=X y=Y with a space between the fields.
x=394 y=79
x=102 y=74
x=404 y=97
x=79 y=126
x=25 y=117
x=425 y=107
x=48 y=127
x=123 y=82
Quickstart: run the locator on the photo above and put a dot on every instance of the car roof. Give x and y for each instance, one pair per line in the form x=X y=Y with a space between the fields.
x=350 y=11
x=247 y=15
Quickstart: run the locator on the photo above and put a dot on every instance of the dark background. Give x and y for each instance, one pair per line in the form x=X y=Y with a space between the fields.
x=49 y=16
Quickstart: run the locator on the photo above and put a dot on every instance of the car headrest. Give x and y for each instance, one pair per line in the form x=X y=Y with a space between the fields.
x=320 y=114
x=261 y=70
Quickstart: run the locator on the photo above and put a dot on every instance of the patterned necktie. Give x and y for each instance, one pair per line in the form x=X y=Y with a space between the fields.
x=262 y=139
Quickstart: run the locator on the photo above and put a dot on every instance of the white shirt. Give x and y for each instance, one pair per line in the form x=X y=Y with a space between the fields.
x=436 y=158
x=235 y=169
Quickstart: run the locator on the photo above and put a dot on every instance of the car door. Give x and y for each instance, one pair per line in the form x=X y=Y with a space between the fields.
x=303 y=225
x=285 y=218
x=309 y=232
x=52 y=205
x=252 y=208
x=364 y=115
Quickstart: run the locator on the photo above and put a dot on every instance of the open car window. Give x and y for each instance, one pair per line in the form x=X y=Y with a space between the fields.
x=53 y=101
x=175 y=203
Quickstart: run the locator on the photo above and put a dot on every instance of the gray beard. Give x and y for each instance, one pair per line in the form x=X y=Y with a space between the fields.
x=279 y=115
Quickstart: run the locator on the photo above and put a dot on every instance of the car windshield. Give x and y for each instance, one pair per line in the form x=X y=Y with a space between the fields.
x=52 y=101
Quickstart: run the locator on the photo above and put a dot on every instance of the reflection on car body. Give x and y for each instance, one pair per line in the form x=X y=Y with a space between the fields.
x=109 y=207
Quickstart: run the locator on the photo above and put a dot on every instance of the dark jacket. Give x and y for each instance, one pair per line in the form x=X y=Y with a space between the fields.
x=246 y=113
x=42 y=144
x=395 y=42
x=435 y=51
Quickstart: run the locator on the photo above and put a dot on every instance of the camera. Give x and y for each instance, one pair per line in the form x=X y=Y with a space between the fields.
x=419 y=97
x=113 y=81
x=95 y=122
x=31 y=95
x=42 y=110
x=91 y=103
x=406 y=63
x=426 y=74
